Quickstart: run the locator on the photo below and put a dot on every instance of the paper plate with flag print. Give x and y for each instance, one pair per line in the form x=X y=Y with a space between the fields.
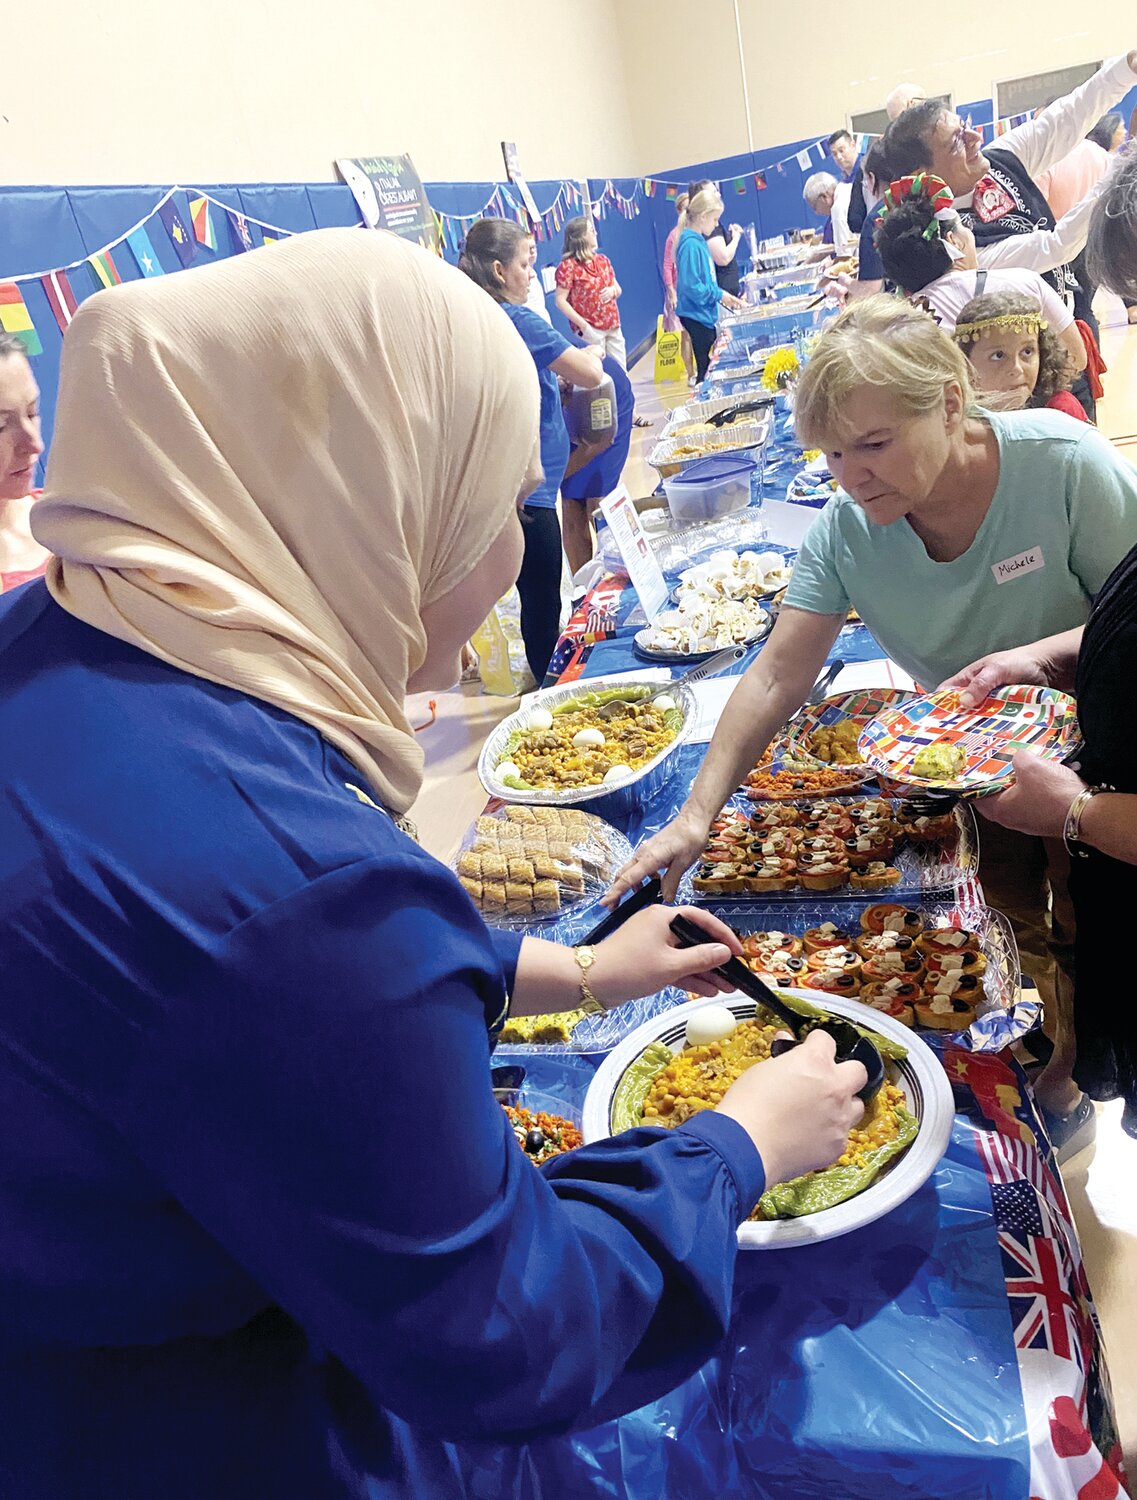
x=859 y=707
x=982 y=739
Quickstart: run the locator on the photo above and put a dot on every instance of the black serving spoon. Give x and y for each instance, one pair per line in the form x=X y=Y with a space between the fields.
x=851 y=1045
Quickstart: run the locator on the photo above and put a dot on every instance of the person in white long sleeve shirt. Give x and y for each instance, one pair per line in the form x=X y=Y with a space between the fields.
x=995 y=191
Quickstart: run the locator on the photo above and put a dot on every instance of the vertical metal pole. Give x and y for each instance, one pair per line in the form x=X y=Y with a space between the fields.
x=745 y=88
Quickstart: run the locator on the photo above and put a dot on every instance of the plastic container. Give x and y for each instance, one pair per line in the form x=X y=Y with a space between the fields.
x=711 y=488
x=591 y=413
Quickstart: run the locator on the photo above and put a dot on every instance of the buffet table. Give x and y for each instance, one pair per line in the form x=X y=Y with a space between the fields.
x=597 y=639
x=950 y=1348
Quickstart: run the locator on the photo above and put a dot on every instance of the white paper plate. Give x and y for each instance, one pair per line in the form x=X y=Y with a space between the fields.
x=920 y=1075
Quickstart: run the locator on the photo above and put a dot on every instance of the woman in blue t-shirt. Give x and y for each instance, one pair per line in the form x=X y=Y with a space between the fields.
x=496 y=256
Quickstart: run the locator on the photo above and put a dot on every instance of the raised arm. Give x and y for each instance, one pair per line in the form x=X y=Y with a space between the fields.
x=1060 y=126
x=723 y=251
x=773 y=688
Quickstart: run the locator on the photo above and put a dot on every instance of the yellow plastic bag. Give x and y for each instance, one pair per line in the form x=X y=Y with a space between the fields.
x=501 y=651
x=668 y=354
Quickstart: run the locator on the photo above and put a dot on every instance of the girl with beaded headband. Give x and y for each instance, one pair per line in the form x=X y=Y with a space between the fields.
x=929 y=253
x=1016 y=360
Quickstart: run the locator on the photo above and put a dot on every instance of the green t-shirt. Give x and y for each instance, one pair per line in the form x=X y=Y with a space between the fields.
x=1063 y=516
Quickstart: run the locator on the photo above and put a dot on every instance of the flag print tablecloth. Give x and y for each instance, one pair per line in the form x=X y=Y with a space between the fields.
x=951 y=1349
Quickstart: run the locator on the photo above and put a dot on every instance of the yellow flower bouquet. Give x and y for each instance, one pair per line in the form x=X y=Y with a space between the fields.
x=781 y=367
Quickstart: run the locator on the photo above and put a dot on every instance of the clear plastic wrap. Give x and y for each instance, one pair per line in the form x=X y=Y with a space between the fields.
x=525 y=867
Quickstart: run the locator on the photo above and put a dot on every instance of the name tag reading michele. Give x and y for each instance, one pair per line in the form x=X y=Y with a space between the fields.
x=1030 y=561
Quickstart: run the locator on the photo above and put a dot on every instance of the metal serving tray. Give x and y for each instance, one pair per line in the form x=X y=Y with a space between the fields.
x=702 y=411
x=743 y=437
x=614 y=801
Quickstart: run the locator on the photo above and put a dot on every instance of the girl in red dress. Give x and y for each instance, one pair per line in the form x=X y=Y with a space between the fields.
x=587 y=290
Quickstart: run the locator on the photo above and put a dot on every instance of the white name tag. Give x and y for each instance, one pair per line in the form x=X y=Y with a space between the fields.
x=1030 y=561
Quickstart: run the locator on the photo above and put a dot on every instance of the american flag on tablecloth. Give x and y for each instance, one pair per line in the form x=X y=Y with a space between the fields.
x=1057 y=1338
x=595 y=619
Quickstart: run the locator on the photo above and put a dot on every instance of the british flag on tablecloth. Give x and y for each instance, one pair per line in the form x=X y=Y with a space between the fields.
x=1057 y=1338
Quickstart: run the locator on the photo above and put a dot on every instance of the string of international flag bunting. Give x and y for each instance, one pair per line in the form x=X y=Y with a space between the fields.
x=505 y=201
x=810 y=158
x=209 y=218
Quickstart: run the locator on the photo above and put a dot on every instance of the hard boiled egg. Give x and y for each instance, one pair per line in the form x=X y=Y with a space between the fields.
x=586 y=739
x=508 y=768
x=540 y=718
x=663 y=702
x=710 y=1023
x=617 y=773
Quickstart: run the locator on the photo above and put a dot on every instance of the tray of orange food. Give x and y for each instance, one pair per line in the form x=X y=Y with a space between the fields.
x=776 y=778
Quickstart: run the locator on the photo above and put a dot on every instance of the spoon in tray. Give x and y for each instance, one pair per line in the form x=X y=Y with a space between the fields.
x=713 y=664
x=851 y=1045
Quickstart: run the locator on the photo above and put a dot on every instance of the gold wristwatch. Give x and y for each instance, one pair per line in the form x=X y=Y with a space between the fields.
x=585 y=958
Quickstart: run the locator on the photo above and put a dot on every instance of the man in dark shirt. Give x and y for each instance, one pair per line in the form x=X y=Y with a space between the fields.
x=877 y=174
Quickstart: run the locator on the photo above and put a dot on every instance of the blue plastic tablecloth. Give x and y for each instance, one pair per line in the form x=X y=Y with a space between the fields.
x=882 y=1365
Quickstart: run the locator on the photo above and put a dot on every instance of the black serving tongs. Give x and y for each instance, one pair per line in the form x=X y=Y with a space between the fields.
x=739 y=409
x=819 y=689
x=851 y=1045
x=647 y=895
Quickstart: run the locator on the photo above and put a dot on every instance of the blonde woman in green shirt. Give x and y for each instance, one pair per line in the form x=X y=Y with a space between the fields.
x=955 y=532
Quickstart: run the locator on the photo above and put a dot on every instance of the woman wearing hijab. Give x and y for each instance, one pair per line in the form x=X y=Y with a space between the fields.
x=263 y=1225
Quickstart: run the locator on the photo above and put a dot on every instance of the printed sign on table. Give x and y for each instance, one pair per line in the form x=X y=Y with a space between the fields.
x=390 y=195
x=639 y=560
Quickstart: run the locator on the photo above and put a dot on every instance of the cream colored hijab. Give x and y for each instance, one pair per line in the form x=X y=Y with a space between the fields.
x=263 y=469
